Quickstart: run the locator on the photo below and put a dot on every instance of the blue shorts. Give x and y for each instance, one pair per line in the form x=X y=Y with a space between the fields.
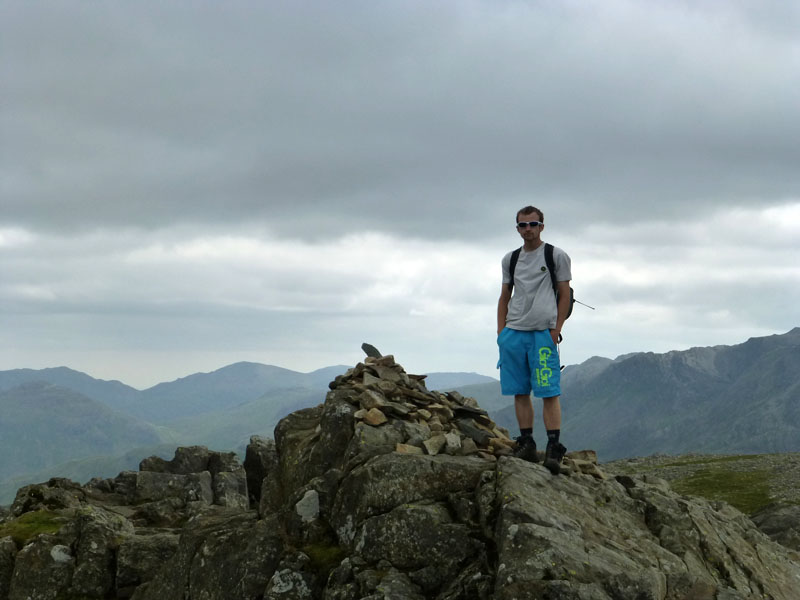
x=528 y=360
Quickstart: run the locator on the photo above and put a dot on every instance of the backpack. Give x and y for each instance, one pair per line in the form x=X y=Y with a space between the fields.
x=551 y=267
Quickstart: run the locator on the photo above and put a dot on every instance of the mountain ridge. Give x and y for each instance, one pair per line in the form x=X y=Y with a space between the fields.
x=637 y=404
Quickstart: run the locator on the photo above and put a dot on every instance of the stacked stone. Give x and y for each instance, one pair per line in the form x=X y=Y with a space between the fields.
x=429 y=422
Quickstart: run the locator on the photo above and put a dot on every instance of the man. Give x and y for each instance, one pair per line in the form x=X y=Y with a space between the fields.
x=529 y=326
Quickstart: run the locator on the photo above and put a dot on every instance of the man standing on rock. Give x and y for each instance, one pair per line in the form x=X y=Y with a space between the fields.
x=528 y=331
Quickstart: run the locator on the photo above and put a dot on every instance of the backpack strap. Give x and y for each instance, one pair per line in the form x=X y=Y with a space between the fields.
x=551 y=265
x=513 y=266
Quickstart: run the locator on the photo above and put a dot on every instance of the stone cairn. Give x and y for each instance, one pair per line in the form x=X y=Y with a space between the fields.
x=434 y=422
x=423 y=421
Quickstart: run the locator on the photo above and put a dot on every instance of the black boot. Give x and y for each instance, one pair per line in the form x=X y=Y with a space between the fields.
x=553 y=455
x=526 y=449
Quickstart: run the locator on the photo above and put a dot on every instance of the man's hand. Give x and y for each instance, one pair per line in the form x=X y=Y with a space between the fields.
x=555 y=334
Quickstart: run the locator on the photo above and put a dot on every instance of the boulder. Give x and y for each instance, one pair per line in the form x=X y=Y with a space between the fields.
x=781 y=522
x=98 y=536
x=221 y=555
x=191 y=459
x=637 y=542
x=260 y=461
x=415 y=536
x=292 y=580
x=167 y=513
x=295 y=437
x=140 y=557
x=8 y=553
x=223 y=462
x=43 y=570
x=152 y=486
x=389 y=480
x=230 y=489
x=58 y=493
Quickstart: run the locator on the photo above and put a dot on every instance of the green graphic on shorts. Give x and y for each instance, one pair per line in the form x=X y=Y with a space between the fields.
x=543 y=373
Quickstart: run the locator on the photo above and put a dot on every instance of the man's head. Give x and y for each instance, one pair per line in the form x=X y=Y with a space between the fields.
x=530 y=222
x=530 y=210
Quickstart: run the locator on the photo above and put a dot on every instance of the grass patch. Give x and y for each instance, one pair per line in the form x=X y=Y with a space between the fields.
x=324 y=557
x=709 y=461
x=746 y=490
x=30 y=525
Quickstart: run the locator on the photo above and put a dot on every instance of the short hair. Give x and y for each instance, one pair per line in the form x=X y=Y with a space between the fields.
x=528 y=210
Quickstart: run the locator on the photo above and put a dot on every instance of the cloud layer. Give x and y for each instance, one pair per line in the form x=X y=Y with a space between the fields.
x=276 y=182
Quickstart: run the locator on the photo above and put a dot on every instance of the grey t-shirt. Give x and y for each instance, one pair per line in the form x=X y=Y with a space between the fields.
x=533 y=304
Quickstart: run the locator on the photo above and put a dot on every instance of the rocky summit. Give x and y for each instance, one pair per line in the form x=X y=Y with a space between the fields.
x=387 y=491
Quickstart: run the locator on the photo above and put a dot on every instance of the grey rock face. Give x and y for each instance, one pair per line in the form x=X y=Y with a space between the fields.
x=292 y=580
x=140 y=557
x=221 y=554
x=8 y=553
x=259 y=462
x=424 y=503
x=98 y=537
x=391 y=480
x=230 y=489
x=193 y=459
x=57 y=494
x=43 y=570
x=194 y=474
x=152 y=486
x=781 y=522
x=416 y=538
x=618 y=542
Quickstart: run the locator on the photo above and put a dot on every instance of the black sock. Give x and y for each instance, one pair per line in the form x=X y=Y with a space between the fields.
x=553 y=435
x=524 y=432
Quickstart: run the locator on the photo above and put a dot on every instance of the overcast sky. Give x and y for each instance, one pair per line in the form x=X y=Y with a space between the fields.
x=188 y=185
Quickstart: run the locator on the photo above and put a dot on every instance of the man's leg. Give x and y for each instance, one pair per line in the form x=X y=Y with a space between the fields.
x=526 y=447
x=515 y=377
x=524 y=409
x=551 y=414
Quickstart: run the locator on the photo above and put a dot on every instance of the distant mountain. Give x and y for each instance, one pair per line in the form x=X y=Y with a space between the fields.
x=230 y=429
x=224 y=388
x=42 y=424
x=188 y=396
x=111 y=393
x=444 y=382
x=722 y=399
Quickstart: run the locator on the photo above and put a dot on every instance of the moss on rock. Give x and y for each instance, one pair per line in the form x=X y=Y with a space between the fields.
x=30 y=525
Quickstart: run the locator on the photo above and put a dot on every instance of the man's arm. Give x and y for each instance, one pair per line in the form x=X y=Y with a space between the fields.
x=563 y=309
x=502 y=307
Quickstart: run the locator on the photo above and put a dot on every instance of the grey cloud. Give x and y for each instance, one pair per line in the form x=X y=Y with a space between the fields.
x=417 y=119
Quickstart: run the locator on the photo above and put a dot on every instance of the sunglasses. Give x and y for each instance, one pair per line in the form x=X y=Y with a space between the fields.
x=524 y=224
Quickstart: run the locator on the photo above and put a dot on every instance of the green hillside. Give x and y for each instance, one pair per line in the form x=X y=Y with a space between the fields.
x=44 y=424
x=231 y=428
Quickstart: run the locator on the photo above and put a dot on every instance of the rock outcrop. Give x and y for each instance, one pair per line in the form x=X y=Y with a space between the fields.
x=387 y=490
